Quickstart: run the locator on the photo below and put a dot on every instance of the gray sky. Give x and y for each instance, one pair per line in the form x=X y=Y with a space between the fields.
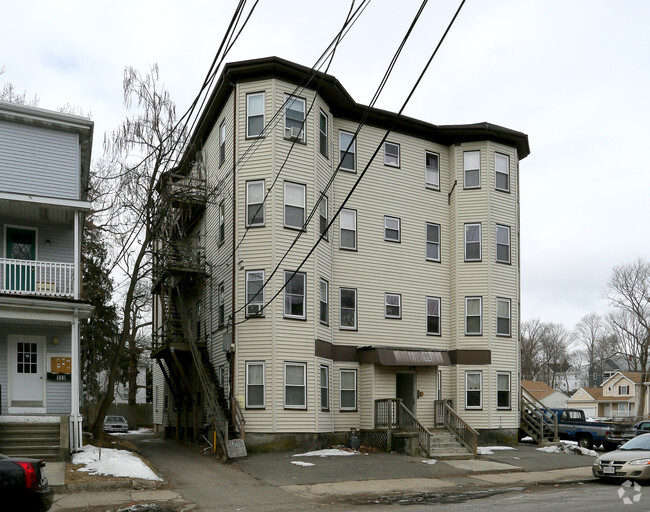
x=573 y=75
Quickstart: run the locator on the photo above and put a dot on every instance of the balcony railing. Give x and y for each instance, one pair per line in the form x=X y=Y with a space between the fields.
x=30 y=277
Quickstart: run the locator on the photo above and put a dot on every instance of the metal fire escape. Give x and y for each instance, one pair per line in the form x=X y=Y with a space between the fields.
x=180 y=270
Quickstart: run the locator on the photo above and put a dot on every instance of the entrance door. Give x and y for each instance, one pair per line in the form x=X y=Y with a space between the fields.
x=20 y=245
x=405 y=389
x=27 y=373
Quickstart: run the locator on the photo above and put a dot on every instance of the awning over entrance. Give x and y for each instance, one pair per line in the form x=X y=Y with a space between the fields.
x=396 y=357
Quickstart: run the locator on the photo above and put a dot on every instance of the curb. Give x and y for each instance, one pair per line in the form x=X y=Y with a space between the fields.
x=111 y=485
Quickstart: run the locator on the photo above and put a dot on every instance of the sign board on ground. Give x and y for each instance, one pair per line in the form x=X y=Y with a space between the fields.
x=236 y=448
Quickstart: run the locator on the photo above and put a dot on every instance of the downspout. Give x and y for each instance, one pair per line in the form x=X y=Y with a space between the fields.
x=234 y=236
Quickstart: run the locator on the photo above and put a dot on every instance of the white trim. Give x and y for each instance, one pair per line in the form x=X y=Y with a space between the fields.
x=355 y=389
x=77 y=256
x=246 y=384
x=304 y=385
x=480 y=389
x=12 y=339
x=24 y=228
x=83 y=206
x=248 y=116
x=304 y=294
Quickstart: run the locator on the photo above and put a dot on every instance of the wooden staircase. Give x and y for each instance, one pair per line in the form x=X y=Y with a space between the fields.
x=34 y=440
x=537 y=421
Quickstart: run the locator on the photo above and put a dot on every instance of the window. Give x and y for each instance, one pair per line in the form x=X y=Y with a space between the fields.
x=324 y=294
x=255 y=203
x=322 y=213
x=433 y=242
x=472 y=169
x=432 y=170
x=473 y=311
x=472 y=242
x=348 y=390
x=295 y=389
x=473 y=390
x=324 y=387
x=348 y=160
x=391 y=154
x=503 y=244
x=222 y=303
x=294 y=205
x=254 y=385
x=503 y=390
x=502 y=168
x=348 y=223
x=322 y=131
x=391 y=229
x=222 y=223
x=222 y=143
x=624 y=390
x=348 y=302
x=254 y=292
x=433 y=315
x=392 y=305
x=254 y=114
x=294 y=294
x=294 y=118
x=503 y=317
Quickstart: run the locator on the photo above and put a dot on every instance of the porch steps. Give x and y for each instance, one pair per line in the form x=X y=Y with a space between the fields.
x=445 y=446
x=34 y=440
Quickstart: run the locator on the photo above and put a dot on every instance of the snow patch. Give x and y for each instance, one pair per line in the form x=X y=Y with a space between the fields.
x=140 y=431
x=429 y=461
x=113 y=462
x=331 y=452
x=301 y=463
x=489 y=450
x=567 y=448
x=526 y=439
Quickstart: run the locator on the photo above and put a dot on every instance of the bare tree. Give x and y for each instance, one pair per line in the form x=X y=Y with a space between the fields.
x=9 y=93
x=589 y=331
x=136 y=154
x=628 y=292
x=532 y=333
x=554 y=351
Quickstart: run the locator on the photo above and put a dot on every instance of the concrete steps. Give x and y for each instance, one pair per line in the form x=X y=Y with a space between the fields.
x=35 y=440
x=445 y=446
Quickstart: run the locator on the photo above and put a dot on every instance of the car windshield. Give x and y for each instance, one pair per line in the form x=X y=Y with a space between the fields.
x=638 y=443
x=115 y=419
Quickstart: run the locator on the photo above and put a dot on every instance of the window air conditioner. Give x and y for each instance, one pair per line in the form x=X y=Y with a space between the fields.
x=253 y=309
x=294 y=132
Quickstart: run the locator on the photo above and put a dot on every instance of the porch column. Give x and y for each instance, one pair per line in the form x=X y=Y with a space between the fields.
x=75 y=417
x=77 y=252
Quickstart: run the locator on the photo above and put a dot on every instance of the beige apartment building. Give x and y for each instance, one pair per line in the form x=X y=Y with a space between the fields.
x=413 y=292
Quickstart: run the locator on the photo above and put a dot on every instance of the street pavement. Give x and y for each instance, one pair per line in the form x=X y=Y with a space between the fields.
x=269 y=482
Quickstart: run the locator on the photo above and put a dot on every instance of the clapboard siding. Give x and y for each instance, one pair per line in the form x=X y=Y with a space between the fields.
x=46 y=160
x=61 y=239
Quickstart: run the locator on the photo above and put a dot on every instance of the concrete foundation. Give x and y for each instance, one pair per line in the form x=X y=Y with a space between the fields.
x=284 y=442
x=498 y=437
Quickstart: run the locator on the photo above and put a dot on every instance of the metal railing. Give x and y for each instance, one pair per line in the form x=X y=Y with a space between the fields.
x=33 y=277
x=447 y=417
x=392 y=414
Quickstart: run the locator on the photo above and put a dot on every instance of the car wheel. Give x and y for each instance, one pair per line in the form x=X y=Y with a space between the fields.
x=585 y=442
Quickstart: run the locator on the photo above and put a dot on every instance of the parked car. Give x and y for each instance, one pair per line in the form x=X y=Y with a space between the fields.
x=23 y=485
x=642 y=427
x=630 y=461
x=115 y=424
x=572 y=425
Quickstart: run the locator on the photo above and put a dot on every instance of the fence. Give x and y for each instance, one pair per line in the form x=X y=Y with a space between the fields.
x=138 y=415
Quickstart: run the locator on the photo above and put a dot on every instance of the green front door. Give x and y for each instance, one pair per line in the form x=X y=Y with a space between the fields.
x=21 y=245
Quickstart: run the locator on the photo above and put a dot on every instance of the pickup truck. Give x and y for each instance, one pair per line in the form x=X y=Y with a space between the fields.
x=572 y=425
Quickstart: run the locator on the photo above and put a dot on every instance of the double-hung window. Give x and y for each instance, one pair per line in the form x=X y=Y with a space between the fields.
x=222 y=143
x=324 y=387
x=254 y=114
x=348 y=223
x=473 y=390
x=433 y=315
x=254 y=384
x=503 y=244
x=472 y=169
x=294 y=294
x=295 y=387
x=348 y=154
x=222 y=223
x=433 y=242
x=294 y=205
x=294 y=118
x=322 y=132
x=391 y=154
x=392 y=229
x=432 y=170
x=255 y=292
x=392 y=305
x=255 y=203
x=472 y=242
x=502 y=168
x=473 y=315
x=348 y=306
x=503 y=390
x=323 y=218
x=348 y=390
x=323 y=295
x=624 y=390
x=503 y=317
x=222 y=304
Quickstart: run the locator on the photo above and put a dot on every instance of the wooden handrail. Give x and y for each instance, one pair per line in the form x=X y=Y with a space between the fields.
x=240 y=421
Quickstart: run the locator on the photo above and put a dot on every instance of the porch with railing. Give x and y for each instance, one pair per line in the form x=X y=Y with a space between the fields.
x=392 y=414
x=34 y=277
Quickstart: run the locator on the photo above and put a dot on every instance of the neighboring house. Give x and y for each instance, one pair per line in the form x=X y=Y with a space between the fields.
x=570 y=379
x=617 y=398
x=544 y=393
x=44 y=169
x=413 y=293
x=604 y=368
